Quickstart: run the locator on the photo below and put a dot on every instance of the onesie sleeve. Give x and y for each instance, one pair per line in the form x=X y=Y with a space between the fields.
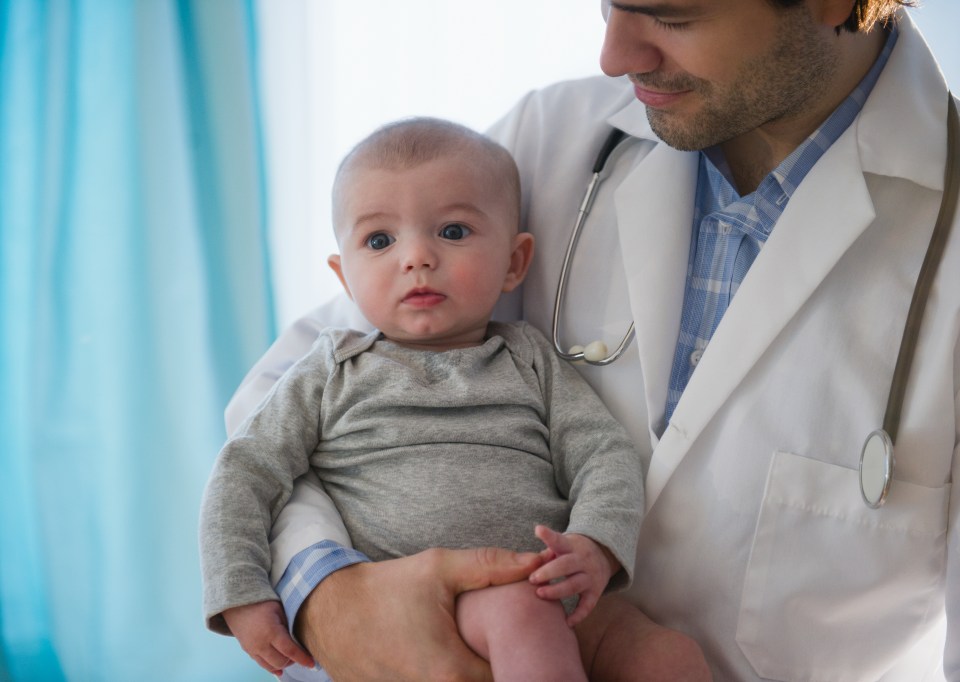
x=595 y=461
x=252 y=479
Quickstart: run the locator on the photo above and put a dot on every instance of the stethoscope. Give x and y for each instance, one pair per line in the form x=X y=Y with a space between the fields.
x=876 y=457
x=595 y=353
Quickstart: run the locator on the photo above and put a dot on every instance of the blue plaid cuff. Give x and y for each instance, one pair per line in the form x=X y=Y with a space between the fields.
x=308 y=569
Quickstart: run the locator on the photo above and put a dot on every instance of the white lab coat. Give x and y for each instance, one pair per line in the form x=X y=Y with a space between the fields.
x=756 y=541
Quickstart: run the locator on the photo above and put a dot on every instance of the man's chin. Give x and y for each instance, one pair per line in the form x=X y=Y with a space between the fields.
x=676 y=137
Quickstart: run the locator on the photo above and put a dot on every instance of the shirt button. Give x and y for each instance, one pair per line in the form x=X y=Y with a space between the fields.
x=725 y=228
x=695 y=357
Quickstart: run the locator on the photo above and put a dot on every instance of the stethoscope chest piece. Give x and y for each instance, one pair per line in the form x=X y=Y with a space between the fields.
x=876 y=459
x=876 y=468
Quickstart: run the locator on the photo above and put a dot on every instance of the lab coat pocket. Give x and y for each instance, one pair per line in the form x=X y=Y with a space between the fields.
x=835 y=590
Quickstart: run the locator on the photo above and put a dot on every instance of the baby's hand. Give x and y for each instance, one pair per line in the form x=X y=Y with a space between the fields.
x=578 y=565
x=261 y=630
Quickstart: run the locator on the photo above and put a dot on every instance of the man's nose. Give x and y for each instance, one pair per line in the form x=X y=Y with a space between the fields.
x=627 y=45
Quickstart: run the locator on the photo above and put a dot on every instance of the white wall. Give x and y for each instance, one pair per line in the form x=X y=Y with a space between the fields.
x=333 y=70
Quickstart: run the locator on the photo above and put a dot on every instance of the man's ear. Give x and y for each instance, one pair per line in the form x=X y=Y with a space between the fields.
x=334 y=263
x=520 y=259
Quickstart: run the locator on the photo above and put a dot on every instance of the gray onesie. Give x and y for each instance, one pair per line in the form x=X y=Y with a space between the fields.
x=420 y=449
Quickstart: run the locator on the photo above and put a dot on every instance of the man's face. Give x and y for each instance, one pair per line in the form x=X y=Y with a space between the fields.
x=709 y=71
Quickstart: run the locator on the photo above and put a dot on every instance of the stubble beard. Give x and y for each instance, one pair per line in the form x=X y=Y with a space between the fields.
x=780 y=83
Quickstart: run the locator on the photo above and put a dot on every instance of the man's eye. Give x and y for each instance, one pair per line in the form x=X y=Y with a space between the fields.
x=671 y=25
x=454 y=231
x=379 y=241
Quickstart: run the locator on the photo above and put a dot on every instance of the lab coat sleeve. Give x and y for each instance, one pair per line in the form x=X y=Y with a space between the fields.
x=310 y=515
x=251 y=481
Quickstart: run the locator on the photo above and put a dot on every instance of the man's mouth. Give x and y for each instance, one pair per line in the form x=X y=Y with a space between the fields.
x=659 y=92
x=658 y=99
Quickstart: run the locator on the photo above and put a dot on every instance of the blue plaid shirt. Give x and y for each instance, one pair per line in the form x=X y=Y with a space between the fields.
x=728 y=233
x=308 y=568
x=729 y=230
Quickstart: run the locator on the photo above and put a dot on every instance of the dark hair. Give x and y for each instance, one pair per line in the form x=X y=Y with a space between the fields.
x=865 y=13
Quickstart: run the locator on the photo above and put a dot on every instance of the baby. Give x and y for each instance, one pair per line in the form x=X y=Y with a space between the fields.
x=440 y=429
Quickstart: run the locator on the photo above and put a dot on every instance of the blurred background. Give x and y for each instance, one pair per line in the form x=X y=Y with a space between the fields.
x=164 y=195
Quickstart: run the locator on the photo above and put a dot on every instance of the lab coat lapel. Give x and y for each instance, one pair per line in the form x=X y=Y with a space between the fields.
x=654 y=207
x=827 y=213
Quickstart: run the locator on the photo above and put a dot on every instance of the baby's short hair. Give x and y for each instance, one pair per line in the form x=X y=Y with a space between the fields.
x=407 y=143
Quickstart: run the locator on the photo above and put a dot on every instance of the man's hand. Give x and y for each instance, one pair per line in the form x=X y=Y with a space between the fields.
x=395 y=620
x=261 y=630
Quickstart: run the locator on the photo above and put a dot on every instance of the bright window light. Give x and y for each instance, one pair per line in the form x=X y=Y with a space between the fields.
x=333 y=70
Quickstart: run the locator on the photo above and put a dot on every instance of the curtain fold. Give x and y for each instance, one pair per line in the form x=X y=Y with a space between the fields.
x=134 y=294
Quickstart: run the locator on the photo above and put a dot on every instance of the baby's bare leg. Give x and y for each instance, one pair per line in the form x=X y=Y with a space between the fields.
x=618 y=643
x=522 y=636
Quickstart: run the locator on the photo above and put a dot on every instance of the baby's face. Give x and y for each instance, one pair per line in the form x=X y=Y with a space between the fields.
x=426 y=251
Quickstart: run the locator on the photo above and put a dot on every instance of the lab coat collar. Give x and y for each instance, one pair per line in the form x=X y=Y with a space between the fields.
x=827 y=213
x=892 y=136
x=900 y=136
x=654 y=207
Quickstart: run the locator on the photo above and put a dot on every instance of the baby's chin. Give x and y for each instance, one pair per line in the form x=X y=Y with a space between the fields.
x=438 y=340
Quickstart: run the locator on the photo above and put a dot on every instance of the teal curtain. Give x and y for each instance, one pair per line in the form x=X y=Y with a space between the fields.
x=134 y=294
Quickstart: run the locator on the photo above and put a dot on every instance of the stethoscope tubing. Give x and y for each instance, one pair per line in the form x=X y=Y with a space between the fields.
x=615 y=137
x=928 y=271
x=878 y=453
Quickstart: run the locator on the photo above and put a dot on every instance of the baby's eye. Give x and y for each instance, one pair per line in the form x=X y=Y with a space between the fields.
x=379 y=241
x=454 y=231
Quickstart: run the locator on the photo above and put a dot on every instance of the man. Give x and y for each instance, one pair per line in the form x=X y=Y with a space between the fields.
x=764 y=225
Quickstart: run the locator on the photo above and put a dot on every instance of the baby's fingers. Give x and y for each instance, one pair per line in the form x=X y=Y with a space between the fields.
x=558 y=542
x=277 y=650
x=292 y=651
x=588 y=600
x=574 y=584
x=281 y=653
x=562 y=566
x=259 y=660
x=547 y=555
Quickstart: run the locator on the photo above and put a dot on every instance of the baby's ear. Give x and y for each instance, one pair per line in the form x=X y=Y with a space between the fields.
x=334 y=263
x=520 y=259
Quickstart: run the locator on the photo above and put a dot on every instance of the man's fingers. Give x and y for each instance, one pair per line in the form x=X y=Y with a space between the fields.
x=472 y=569
x=395 y=620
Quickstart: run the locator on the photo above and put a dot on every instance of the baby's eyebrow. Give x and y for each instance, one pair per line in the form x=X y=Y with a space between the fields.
x=370 y=217
x=465 y=206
